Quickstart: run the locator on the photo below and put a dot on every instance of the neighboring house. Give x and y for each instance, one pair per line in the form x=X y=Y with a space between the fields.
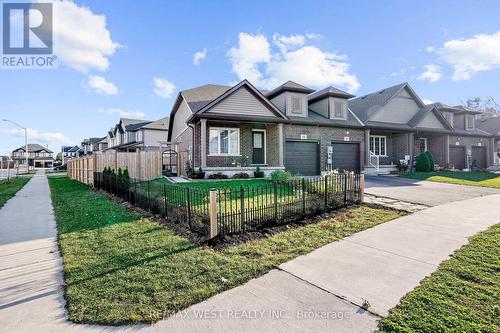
x=132 y=134
x=90 y=145
x=39 y=157
x=68 y=152
x=103 y=144
x=492 y=126
x=234 y=129
x=6 y=162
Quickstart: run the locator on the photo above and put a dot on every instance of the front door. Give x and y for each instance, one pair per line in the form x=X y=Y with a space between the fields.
x=258 y=144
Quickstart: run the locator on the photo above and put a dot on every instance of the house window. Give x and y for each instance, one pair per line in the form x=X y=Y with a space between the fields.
x=469 y=122
x=139 y=136
x=224 y=141
x=378 y=145
x=296 y=105
x=420 y=145
x=339 y=110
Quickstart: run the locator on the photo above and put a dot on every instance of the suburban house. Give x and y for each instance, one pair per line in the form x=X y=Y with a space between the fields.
x=235 y=129
x=90 y=145
x=492 y=126
x=132 y=134
x=68 y=152
x=39 y=157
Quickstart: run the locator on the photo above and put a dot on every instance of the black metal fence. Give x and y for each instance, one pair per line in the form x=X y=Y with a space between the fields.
x=244 y=209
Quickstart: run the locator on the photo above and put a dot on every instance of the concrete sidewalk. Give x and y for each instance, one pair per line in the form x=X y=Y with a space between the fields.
x=384 y=263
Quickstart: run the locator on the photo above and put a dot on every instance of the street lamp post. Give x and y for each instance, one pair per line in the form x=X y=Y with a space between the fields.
x=25 y=141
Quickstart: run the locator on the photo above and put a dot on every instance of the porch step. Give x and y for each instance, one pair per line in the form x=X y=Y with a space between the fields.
x=383 y=170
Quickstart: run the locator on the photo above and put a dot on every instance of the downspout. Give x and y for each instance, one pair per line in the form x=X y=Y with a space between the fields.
x=192 y=147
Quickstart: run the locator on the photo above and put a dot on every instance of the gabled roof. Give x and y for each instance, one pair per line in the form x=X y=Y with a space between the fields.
x=252 y=90
x=160 y=124
x=33 y=148
x=366 y=106
x=73 y=149
x=328 y=92
x=288 y=86
x=455 y=109
x=489 y=125
x=199 y=97
x=423 y=112
x=134 y=127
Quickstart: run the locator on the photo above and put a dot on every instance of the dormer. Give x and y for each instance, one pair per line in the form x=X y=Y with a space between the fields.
x=290 y=98
x=458 y=116
x=330 y=102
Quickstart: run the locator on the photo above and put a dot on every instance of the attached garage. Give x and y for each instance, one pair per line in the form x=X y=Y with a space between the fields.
x=302 y=157
x=457 y=157
x=478 y=154
x=346 y=156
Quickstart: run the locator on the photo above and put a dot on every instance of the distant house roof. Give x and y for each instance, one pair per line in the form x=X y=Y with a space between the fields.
x=455 y=109
x=365 y=106
x=73 y=149
x=136 y=126
x=328 y=92
x=289 y=86
x=33 y=147
x=199 y=97
x=160 y=124
x=490 y=125
x=4 y=158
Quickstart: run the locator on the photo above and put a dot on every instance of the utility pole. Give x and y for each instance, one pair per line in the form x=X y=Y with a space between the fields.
x=25 y=141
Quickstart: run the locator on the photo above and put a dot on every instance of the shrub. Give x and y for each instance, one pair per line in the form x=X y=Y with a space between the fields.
x=280 y=176
x=189 y=170
x=218 y=175
x=241 y=175
x=200 y=174
x=431 y=160
x=402 y=166
x=258 y=173
x=423 y=163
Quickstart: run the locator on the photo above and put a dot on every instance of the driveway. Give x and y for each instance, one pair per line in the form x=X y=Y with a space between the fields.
x=423 y=192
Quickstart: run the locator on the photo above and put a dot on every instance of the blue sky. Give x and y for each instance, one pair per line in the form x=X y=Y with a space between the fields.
x=111 y=51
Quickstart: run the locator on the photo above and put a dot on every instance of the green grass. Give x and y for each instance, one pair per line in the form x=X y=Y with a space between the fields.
x=8 y=189
x=463 y=295
x=119 y=269
x=224 y=184
x=483 y=179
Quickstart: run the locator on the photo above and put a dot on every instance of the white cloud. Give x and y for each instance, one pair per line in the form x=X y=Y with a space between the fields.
x=432 y=73
x=101 y=86
x=122 y=113
x=256 y=60
x=199 y=56
x=34 y=136
x=163 y=88
x=470 y=56
x=82 y=40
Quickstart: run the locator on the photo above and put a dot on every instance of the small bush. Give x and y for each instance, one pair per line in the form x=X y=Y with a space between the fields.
x=402 y=166
x=258 y=173
x=423 y=163
x=200 y=174
x=241 y=175
x=280 y=176
x=218 y=175
x=431 y=160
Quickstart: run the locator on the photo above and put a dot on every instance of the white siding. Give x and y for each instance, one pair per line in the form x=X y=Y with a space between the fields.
x=400 y=109
x=430 y=121
x=179 y=122
x=153 y=137
x=242 y=102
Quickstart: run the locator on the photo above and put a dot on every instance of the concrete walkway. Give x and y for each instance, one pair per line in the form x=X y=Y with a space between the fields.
x=319 y=292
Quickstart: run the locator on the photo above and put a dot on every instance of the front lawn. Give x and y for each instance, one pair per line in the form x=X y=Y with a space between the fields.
x=461 y=296
x=120 y=269
x=483 y=179
x=8 y=189
x=219 y=184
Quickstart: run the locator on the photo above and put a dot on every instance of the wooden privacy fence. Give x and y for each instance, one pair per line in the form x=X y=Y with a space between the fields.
x=141 y=165
x=248 y=208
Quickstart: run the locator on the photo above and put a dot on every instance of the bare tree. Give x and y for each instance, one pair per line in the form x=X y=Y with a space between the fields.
x=488 y=106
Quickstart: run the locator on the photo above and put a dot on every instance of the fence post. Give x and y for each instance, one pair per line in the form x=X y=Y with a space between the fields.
x=361 y=187
x=303 y=196
x=242 y=207
x=275 y=201
x=188 y=199
x=213 y=213
x=165 y=198
x=326 y=192
x=345 y=188
x=149 y=199
x=135 y=193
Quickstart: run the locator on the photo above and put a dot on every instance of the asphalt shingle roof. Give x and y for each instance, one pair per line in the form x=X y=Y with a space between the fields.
x=199 y=97
x=34 y=147
x=288 y=86
x=328 y=91
x=365 y=106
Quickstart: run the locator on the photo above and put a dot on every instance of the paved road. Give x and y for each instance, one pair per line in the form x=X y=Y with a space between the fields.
x=423 y=192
